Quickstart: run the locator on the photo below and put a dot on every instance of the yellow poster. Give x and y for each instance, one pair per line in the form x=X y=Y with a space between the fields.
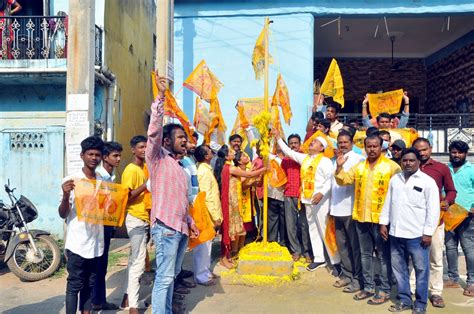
x=100 y=202
x=202 y=118
x=248 y=109
x=389 y=102
x=454 y=216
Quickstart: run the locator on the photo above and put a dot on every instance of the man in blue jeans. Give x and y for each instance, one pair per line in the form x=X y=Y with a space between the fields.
x=462 y=172
x=410 y=212
x=170 y=221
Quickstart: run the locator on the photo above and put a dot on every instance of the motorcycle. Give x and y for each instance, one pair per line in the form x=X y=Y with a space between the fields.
x=31 y=255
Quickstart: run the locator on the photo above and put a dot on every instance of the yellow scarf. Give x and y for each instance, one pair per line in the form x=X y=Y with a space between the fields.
x=380 y=179
x=245 y=203
x=308 y=169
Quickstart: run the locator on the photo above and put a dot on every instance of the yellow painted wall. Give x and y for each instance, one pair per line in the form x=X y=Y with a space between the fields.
x=129 y=28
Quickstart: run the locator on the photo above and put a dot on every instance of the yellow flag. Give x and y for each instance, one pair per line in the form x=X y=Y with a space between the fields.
x=203 y=82
x=173 y=110
x=388 y=102
x=282 y=99
x=100 y=202
x=258 y=56
x=217 y=123
x=333 y=85
x=202 y=118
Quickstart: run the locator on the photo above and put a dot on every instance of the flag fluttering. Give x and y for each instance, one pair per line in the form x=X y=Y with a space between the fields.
x=258 y=56
x=203 y=82
x=282 y=99
x=333 y=85
x=217 y=126
x=202 y=117
x=174 y=111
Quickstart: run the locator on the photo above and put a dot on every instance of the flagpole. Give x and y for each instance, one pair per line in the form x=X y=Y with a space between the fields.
x=266 y=106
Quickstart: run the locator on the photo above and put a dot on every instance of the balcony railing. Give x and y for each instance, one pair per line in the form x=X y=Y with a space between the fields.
x=441 y=129
x=38 y=37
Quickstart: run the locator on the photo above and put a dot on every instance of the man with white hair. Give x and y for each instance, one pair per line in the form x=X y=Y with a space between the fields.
x=316 y=173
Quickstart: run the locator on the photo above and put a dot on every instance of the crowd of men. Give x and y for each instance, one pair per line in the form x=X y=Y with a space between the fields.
x=386 y=203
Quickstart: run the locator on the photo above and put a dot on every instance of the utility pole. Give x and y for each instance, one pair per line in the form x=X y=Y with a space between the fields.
x=80 y=80
x=164 y=37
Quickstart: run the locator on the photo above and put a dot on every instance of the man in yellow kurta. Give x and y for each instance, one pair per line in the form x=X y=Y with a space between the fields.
x=370 y=179
x=207 y=183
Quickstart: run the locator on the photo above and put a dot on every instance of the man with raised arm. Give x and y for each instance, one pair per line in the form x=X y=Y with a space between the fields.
x=171 y=224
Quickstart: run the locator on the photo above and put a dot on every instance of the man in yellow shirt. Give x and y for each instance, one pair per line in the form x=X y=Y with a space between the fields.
x=370 y=179
x=137 y=222
x=207 y=183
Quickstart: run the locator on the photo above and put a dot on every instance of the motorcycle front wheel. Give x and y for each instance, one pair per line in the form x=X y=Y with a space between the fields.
x=27 y=265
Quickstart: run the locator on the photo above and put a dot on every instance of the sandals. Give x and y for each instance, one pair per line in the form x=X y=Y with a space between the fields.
x=351 y=288
x=363 y=295
x=469 y=291
x=341 y=283
x=379 y=298
x=399 y=307
x=437 y=301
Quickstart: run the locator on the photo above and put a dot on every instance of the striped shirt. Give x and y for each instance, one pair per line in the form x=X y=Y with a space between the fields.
x=169 y=183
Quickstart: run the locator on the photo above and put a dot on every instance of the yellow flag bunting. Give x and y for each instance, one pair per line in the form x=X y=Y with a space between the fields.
x=388 y=102
x=203 y=82
x=258 y=56
x=333 y=85
x=282 y=99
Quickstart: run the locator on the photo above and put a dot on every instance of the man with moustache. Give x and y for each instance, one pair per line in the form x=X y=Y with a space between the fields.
x=295 y=213
x=171 y=224
x=462 y=172
x=342 y=202
x=411 y=209
x=370 y=178
x=440 y=173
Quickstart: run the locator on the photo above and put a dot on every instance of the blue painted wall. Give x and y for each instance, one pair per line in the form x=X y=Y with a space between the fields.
x=226 y=43
x=37 y=174
x=224 y=33
x=27 y=97
x=323 y=7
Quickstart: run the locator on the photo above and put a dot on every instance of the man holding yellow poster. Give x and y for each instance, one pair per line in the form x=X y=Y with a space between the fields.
x=85 y=241
x=383 y=107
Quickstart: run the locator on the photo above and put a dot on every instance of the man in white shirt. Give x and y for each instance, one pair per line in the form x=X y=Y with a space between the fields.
x=111 y=157
x=84 y=242
x=342 y=202
x=316 y=189
x=411 y=209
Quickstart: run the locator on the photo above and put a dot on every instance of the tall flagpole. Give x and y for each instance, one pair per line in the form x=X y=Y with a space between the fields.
x=266 y=106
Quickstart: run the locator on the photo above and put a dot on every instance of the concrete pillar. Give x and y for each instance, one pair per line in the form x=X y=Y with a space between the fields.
x=80 y=80
x=164 y=37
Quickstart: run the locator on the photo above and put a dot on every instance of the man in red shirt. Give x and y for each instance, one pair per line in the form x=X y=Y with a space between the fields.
x=295 y=213
x=447 y=192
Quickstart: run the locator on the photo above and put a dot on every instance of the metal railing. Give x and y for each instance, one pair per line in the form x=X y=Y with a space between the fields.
x=38 y=37
x=33 y=37
x=441 y=129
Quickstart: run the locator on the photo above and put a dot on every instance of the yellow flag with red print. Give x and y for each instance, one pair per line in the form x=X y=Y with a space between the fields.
x=282 y=99
x=100 y=202
x=258 y=56
x=389 y=102
x=333 y=85
x=203 y=82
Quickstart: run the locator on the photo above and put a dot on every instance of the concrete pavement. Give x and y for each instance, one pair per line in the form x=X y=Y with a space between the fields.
x=312 y=293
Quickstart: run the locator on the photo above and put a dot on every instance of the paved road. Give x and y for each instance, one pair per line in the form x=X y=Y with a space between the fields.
x=312 y=293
